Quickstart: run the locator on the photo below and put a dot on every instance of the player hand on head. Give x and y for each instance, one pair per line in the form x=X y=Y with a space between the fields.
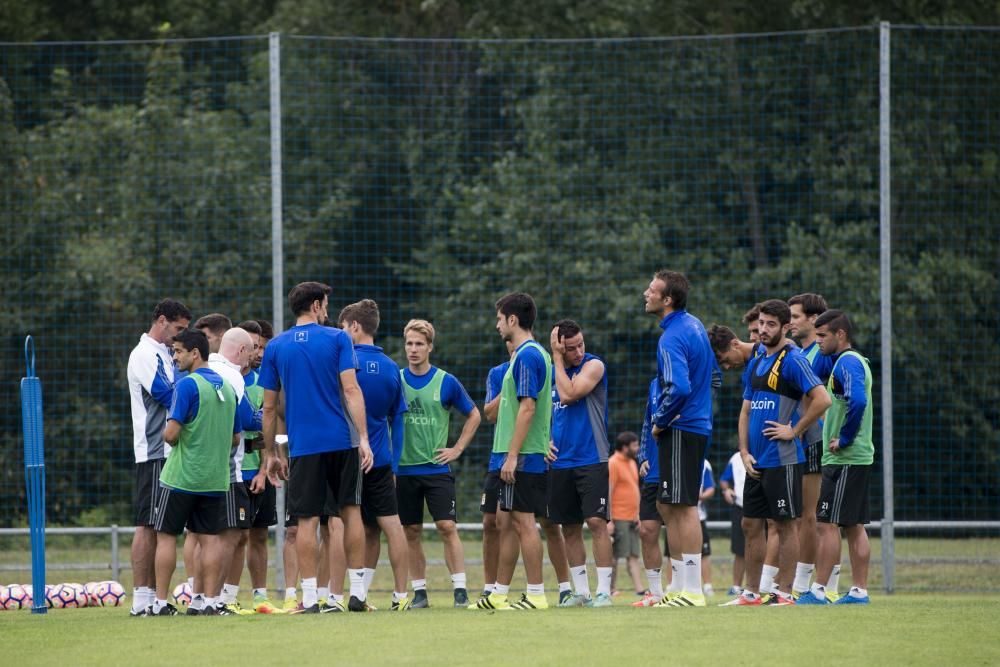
x=748 y=462
x=446 y=455
x=779 y=431
x=556 y=343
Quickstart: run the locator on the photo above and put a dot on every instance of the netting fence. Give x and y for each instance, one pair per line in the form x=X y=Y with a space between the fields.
x=436 y=175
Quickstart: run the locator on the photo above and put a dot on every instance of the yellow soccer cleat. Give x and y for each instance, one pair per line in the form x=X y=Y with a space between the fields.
x=529 y=602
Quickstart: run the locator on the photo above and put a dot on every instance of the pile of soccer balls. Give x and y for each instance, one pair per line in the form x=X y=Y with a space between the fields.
x=64 y=596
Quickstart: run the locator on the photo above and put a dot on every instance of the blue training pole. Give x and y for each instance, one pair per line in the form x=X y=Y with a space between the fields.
x=34 y=473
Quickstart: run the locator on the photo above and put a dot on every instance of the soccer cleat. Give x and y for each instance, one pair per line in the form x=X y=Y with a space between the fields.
x=291 y=604
x=600 y=600
x=142 y=612
x=665 y=600
x=832 y=596
x=744 y=601
x=264 y=606
x=420 y=600
x=734 y=590
x=404 y=605
x=354 y=604
x=684 y=599
x=529 y=602
x=224 y=610
x=323 y=604
x=810 y=598
x=490 y=601
x=564 y=595
x=576 y=600
x=461 y=598
x=167 y=610
x=314 y=609
x=782 y=600
x=648 y=600
x=334 y=607
x=370 y=607
x=193 y=612
x=850 y=599
x=768 y=599
x=238 y=609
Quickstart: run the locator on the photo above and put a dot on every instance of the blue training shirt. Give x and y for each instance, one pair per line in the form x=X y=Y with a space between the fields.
x=378 y=376
x=648 y=449
x=307 y=361
x=684 y=363
x=453 y=395
x=580 y=429
x=529 y=378
x=774 y=386
x=494 y=381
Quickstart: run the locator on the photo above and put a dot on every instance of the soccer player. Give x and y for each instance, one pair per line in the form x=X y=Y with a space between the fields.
x=623 y=488
x=423 y=473
x=204 y=425
x=327 y=433
x=650 y=521
x=774 y=385
x=214 y=326
x=385 y=404
x=732 y=482
x=521 y=441
x=578 y=475
x=750 y=320
x=805 y=309
x=847 y=460
x=706 y=492
x=231 y=362
x=151 y=390
x=682 y=426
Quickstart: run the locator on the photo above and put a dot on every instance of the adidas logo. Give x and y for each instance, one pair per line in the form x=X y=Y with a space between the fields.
x=689 y=562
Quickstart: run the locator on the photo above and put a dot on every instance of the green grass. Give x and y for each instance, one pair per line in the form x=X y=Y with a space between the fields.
x=900 y=629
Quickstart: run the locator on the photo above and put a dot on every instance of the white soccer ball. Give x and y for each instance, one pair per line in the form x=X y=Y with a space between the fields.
x=90 y=588
x=110 y=593
x=72 y=595
x=182 y=594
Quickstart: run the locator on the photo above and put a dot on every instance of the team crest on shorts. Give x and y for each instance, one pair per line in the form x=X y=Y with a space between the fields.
x=243 y=514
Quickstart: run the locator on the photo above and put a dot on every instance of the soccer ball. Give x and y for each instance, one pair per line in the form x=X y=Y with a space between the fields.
x=110 y=594
x=182 y=594
x=29 y=591
x=90 y=588
x=14 y=597
x=71 y=595
x=52 y=598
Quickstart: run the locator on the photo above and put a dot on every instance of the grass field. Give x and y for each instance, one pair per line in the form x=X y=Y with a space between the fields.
x=895 y=630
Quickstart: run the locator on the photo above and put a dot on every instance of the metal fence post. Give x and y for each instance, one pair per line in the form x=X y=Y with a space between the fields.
x=116 y=566
x=277 y=259
x=885 y=289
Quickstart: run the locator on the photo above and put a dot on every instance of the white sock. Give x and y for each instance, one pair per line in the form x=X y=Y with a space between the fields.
x=692 y=573
x=565 y=586
x=158 y=604
x=818 y=591
x=655 y=580
x=137 y=598
x=335 y=597
x=198 y=602
x=858 y=592
x=229 y=593
x=322 y=592
x=211 y=602
x=309 y=597
x=803 y=573
x=144 y=597
x=458 y=580
x=357 y=579
x=488 y=588
x=419 y=584
x=501 y=589
x=536 y=589
x=676 y=576
x=191 y=583
x=398 y=597
x=369 y=577
x=290 y=593
x=767 y=575
x=581 y=582
x=834 y=579
x=260 y=592
x=604 y=580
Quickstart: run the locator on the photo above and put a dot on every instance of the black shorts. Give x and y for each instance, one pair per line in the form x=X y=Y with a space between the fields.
x=378 y=498
x=576 y=494
x=843 y=496
x=814 y=456
x=737 y=540
x=682 y=463
x=437 y=490
x=776 y=495
x=527 y=494
x=706 y=542
x=239 y=512
x=330 y=509
x=263 y=506
x=647 y=503
x=311 y=476
x=491 y=493
x=147 y=487
x=176 y=510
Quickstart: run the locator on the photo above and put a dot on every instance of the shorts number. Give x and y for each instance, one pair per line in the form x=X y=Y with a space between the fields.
x=781 y=502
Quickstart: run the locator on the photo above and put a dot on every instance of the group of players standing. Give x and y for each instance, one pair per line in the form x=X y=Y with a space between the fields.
x=363 y=446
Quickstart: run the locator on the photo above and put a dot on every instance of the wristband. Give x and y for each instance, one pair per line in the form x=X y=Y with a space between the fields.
x=281 y=439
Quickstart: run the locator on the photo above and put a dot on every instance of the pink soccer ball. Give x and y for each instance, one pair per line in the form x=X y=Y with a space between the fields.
x=72 y=595
x=110 y=594
x=52 y=596
x=90 y=588
x=14 y=597
x=182 y=594
x=28 y=591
